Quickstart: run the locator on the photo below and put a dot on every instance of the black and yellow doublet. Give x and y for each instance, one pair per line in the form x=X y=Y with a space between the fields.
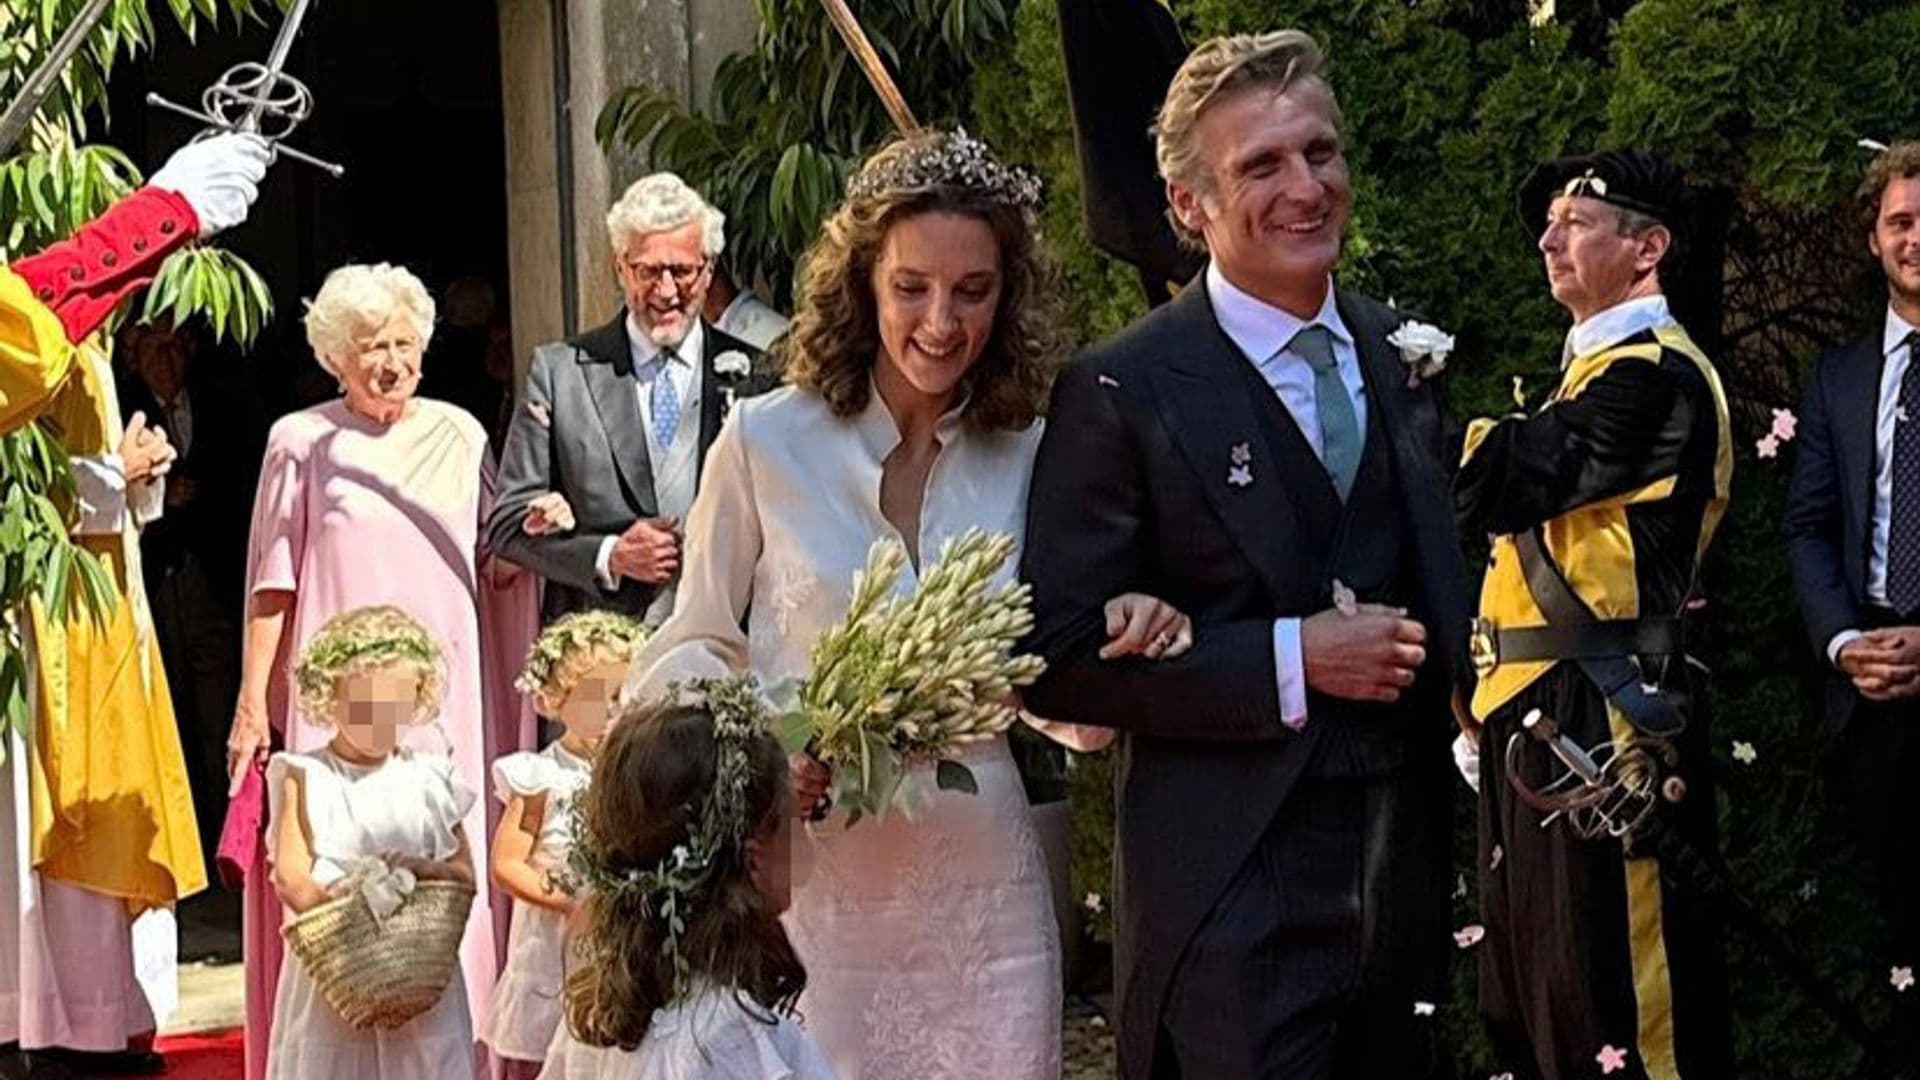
x=1620 y=479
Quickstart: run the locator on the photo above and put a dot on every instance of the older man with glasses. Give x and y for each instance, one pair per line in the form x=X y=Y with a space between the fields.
x=608 y=437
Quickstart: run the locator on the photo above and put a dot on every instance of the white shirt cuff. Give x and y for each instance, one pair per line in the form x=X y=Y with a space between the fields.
x=1840 y=641
x=1291 y=669
x=100 y=482
x=148 y=500
x=603 y=565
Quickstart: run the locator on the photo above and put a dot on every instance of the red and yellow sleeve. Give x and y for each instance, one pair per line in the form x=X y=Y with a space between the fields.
x=53 y=299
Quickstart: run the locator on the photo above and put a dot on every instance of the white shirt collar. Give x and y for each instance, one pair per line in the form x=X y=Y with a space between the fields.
x=1258 y=328
x=1617 y=324
x=881 y=434
x=1896 y=332
x=644 y=350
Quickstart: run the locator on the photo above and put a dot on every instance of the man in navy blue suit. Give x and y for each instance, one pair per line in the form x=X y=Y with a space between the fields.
x=1853 y=538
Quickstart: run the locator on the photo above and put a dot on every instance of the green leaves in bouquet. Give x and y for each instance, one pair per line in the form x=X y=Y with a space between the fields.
x=905 y=680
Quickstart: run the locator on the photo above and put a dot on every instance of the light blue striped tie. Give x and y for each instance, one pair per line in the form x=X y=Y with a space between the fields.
x=1339 y=426
x=665 y=399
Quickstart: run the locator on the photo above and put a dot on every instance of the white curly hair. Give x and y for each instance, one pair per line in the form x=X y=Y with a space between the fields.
x=356 y=300
x=661 y=202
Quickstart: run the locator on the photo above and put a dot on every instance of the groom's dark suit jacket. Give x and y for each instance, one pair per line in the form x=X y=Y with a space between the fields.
x=1132 y=492
x=1829 y=517
x=578 y=430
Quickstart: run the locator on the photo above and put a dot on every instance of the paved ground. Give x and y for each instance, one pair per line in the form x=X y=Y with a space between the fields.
x=1087 y=1042
x=212 y=993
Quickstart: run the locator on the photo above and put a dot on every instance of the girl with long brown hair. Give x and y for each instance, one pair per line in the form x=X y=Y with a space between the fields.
x=682 y=970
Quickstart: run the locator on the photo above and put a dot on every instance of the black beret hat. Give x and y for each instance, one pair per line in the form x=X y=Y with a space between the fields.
x=1637 y=180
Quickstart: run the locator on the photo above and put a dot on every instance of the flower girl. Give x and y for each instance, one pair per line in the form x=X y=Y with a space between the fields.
x=363 y=813
x=573 y=673
x=683 y=971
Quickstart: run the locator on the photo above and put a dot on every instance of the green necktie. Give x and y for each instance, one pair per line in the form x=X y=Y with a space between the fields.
x=1339 y=427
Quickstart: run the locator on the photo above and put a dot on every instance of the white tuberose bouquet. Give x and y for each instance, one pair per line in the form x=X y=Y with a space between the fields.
x=906 y=680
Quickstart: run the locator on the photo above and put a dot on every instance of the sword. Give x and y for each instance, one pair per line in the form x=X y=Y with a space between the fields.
x=20 y=110
x=260 y=99
x=1615 y=793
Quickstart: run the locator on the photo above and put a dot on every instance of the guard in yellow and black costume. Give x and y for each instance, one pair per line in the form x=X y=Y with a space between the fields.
x=1600 y=506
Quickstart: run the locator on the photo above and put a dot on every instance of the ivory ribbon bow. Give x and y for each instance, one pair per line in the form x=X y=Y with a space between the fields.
x=383 y=887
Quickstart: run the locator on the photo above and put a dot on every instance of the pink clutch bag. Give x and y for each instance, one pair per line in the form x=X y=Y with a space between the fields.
x=240 y=836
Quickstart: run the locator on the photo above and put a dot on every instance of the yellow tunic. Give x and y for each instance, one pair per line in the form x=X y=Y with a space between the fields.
x=1592 y=542
x=111 y=809
x=34 y=354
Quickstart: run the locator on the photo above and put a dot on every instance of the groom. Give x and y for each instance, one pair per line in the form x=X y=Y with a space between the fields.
x=1254 y=453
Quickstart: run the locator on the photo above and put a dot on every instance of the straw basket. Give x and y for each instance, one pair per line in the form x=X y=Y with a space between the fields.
x=382 y=976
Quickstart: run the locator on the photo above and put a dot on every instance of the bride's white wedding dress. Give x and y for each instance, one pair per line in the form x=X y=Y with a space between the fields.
x=930 y=944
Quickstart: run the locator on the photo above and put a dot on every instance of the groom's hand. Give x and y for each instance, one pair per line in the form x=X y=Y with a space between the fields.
x=1369 y=654
x=649 y=551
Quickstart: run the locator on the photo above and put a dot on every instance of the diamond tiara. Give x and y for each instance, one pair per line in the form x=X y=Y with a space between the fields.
x=947 y=160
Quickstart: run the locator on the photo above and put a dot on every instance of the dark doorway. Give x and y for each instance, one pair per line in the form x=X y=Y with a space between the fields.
x=408 y=98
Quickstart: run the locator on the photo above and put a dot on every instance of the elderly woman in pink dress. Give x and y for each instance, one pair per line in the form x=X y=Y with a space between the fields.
x=377 y=498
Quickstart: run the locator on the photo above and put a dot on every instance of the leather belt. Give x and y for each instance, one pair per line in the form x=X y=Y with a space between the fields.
x=1656 y=636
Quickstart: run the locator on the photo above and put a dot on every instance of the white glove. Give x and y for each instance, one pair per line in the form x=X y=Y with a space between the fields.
x=219 y=177
x=1466 y=758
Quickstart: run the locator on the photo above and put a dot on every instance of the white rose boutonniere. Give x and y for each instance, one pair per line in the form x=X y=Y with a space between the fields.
x=731 y=366
x=1424 y=349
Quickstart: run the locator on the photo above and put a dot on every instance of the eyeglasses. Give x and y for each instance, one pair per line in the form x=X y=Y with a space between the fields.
x=683 y=275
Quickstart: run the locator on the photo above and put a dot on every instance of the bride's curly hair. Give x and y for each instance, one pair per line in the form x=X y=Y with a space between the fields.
x=654 y=773
x=834 y=340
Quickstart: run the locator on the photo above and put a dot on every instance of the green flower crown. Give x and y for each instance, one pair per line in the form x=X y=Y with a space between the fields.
x=670 y=889
x=568 y=636
x=366 y=637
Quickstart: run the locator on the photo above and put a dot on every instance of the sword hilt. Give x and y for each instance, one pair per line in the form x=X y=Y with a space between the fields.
x=219 y=123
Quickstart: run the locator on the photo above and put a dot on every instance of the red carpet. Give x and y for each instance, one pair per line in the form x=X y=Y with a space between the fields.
x=215 y=1055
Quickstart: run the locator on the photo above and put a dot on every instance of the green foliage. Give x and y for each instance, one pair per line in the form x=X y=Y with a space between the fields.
x=789 y=121
x=50 y=185
x=1020 y=107
x=213 y=284
x=1446 y=107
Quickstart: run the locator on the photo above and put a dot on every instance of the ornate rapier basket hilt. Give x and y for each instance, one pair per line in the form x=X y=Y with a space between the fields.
x=1606 y=790
x=259 y=98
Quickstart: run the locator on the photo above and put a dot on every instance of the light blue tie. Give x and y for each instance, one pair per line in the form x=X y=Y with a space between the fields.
x=665 y=399
x=1339 y=426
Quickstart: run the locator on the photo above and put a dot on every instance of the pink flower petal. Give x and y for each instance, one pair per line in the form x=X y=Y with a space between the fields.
x=1768 y=446
x=1611 y=1059
x=1784 y=423
x=1470 y=935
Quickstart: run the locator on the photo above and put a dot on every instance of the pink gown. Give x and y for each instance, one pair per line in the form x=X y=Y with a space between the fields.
x=350 y=513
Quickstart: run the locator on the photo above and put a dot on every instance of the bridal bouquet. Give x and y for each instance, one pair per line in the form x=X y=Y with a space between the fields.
x=906 y=680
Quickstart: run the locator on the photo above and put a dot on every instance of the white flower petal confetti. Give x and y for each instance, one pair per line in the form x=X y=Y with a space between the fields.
x=1744 y=753
x=1469 y=935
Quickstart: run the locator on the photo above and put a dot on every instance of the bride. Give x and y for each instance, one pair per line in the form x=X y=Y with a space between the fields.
x=921 y=354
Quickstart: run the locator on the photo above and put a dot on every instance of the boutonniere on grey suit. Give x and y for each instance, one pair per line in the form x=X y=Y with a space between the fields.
x=731 y=367
x=1424 y=349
